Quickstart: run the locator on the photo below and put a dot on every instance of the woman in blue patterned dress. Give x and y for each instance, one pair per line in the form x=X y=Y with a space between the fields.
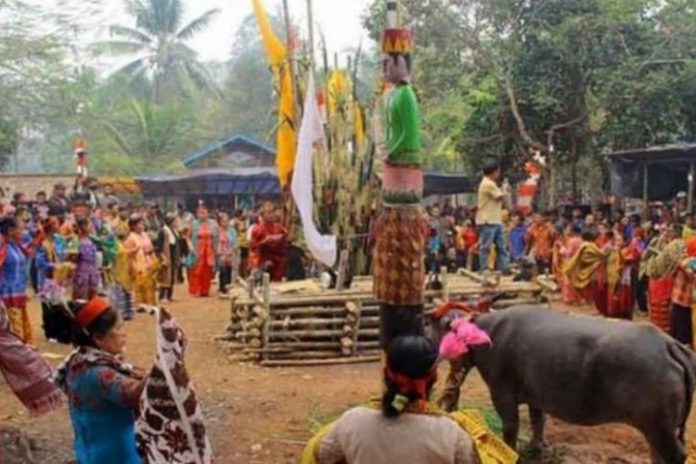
x=103 y=390
x=86 y=276
x=14 y=276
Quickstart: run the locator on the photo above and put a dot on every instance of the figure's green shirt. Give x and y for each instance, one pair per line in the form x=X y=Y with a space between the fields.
x=403 y=127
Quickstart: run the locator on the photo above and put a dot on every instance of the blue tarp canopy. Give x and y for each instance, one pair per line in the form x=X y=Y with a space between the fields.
x=448 y=184
x=240 y=181
x=264 y=182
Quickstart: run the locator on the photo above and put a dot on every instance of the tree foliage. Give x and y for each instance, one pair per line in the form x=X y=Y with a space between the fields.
x=573 y=78
x=156 y=48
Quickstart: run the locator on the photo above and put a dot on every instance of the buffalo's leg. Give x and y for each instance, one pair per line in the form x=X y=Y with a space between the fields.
x=508 y=410
x=449 y=400
x=538 y=419
x=664 y=445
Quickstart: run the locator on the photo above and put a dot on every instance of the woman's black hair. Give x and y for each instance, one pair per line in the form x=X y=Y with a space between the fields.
x=60 y=326
x=589 y=235
x=7 y=224
x=413 y=357
x=82 y=222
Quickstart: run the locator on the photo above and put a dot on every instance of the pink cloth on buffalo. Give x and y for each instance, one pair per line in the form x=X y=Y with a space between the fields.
x=463 y=336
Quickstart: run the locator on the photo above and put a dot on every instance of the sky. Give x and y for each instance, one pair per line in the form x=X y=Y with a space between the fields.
x=338 y=19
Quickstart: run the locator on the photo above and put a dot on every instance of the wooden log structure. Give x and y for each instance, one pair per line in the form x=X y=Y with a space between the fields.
x=323 y=327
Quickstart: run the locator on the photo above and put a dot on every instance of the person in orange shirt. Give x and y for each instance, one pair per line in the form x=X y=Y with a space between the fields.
x=540 y=239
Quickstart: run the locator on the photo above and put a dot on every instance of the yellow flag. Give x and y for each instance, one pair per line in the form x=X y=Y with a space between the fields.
x=278 y=59
x=339 y=89
x=359 y=127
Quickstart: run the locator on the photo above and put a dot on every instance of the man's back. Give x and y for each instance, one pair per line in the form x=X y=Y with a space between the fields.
x=364 y=436
x=490 y=208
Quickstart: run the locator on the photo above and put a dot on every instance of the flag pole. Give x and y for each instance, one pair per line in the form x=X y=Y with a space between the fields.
x=288 y=203
x=310 y=27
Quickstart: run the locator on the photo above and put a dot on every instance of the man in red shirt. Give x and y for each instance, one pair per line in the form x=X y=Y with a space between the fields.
x=269 y=243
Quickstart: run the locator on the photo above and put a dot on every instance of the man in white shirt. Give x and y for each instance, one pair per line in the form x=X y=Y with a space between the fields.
x=489 y=218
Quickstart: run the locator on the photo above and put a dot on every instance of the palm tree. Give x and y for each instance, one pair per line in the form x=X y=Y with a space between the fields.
x=157 y=45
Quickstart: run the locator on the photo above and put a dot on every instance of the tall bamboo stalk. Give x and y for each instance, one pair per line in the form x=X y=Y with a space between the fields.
x=310 y=27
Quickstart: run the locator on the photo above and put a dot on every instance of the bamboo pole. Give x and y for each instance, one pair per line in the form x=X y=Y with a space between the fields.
x=320 y=362
x=310 y=32
x=367 y=298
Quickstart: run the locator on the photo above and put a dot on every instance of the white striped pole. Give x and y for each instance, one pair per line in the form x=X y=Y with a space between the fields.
x=392 y=14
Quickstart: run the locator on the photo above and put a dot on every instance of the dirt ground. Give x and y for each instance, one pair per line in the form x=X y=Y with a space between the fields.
x=258 y=415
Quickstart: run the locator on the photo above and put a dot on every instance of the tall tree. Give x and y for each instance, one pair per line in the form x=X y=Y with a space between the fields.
x=157 y=45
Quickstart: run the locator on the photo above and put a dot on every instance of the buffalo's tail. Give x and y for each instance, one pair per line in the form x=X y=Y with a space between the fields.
x=683 y=356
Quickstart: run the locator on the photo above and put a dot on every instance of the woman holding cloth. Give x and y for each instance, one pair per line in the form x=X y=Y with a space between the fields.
x=102 y=389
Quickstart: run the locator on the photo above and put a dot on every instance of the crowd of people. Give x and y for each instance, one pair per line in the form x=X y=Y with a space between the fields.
x=105 y=259
x=89 y=242
x=619 y=262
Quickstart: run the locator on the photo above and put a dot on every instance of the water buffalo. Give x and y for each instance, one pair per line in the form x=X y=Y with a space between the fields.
x=582 y=370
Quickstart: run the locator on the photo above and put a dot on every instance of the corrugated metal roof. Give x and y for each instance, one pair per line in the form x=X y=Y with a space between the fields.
x=214 y=148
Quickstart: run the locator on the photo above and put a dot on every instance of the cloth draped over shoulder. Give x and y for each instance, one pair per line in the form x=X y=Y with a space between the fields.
x=582 y=266
x=26 y=373
x=489 y=447
x=170 y=428
x=667 y=260
x=614 y=266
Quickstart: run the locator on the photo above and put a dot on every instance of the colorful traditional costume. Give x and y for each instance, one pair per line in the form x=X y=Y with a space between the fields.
x=103 y=393
x=228 y=256
x=683 y=296
x=13 y=288
x=569 y=247
x=619 y=293
x=143 y=268
x=167 y=247
x=121 y=295
x=272 y=252
x=202 y=259
x=583 y=273
x=86 y=276
x=660 y=265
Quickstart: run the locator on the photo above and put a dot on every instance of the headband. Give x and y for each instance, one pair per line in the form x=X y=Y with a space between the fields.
x=91 y=311
x=408 y=385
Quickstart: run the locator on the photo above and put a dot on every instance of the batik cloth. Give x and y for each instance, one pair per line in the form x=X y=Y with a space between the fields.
x=399 y=236
x=170 y=428
x=26 y=373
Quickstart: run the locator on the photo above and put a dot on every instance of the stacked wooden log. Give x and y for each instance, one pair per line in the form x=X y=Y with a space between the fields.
x=333 y=327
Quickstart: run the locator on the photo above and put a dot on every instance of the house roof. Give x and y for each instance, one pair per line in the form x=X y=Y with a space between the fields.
x=214 y=148
x=678 y=152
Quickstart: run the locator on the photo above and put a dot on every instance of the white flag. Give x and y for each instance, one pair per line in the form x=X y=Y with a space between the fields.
x=322 y=247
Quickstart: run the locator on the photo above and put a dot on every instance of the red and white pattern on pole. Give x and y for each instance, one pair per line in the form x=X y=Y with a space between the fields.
x=527 y=189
